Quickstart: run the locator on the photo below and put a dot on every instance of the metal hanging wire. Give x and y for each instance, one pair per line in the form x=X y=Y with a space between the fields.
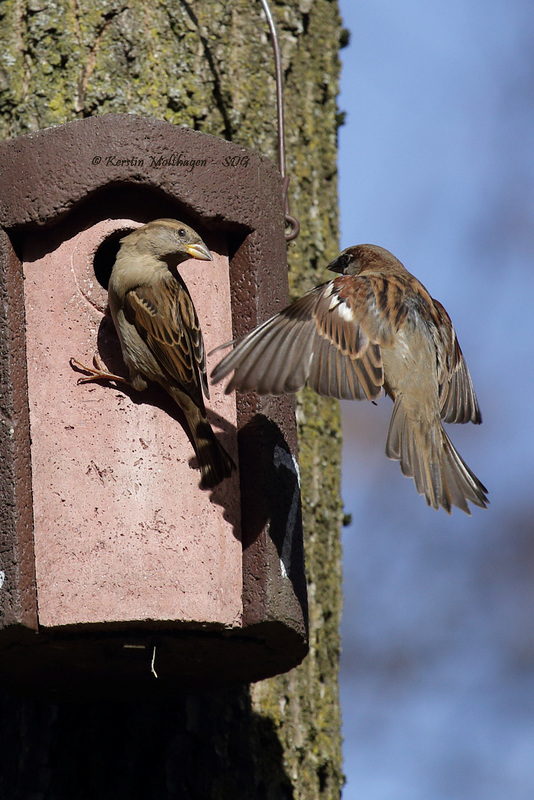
x=291 y=221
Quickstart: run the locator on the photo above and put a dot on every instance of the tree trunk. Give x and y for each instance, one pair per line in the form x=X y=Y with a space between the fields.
x=208 y=65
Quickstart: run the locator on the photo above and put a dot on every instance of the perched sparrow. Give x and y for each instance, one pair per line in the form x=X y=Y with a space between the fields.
x=375 y=327
x=159 y=332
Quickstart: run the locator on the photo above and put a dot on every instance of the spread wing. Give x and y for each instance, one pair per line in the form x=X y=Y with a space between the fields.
x=457 y=396
x=165 y=318
x=330 y=338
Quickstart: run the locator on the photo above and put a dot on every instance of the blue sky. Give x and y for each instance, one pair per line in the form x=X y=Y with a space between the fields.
x=436 y=163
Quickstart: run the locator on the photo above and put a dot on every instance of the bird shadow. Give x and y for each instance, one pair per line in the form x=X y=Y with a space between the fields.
x=109 y=350
x=270 y=492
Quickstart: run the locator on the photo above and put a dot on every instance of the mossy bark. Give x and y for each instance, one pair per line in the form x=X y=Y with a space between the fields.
x=208 y=65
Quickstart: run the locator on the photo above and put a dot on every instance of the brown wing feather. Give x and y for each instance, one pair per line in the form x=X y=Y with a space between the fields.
x=374 y=301
x=328 y=338
x=165 y=317
x=273 y=358
x=457 y=396
x=386 y=301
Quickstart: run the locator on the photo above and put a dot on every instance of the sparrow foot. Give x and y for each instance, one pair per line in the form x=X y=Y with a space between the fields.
x=96 y=373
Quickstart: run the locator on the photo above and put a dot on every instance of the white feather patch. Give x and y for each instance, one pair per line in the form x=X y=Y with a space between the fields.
x=329 y=289
x=345 y=311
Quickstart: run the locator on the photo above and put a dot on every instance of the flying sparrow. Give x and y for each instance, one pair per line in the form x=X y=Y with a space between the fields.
x=373 y=328
x=159 y=331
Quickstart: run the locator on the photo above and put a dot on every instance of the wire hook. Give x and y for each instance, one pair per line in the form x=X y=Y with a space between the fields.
x=291 y=221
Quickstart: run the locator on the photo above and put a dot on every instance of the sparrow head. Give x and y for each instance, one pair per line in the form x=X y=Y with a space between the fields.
x=168 y=239
x=363 y=258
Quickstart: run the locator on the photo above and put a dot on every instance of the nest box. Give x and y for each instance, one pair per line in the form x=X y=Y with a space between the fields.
x=115 y=566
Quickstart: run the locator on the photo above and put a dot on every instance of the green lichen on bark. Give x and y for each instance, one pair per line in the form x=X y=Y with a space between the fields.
x=209 y=65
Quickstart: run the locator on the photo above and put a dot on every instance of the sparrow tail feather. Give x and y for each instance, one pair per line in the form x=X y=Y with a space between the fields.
x=214 y=462
x=427 y=455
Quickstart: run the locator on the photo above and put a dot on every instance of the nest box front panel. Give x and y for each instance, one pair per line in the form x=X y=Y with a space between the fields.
x=130 y=555
x=122 y=530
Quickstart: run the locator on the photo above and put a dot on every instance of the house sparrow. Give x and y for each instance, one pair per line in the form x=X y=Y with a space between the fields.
x=159 y=331
x=374 y=327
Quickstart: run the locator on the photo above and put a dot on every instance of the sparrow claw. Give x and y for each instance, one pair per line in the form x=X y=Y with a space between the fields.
x=96 y=373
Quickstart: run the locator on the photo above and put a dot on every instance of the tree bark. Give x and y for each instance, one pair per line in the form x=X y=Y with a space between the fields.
x=208 y=65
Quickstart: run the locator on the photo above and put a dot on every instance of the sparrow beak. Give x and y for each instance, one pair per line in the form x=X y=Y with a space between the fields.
x=338 y=265
x=199 y=251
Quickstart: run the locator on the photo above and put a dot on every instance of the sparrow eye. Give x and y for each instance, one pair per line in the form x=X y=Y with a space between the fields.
x=181 y=232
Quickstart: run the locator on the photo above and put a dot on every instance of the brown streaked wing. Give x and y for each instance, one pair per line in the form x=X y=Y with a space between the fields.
x=458 y=400
x=273 y=358
x=377 y=302
x=165 y=318
x=312 y=340
x=356 y=318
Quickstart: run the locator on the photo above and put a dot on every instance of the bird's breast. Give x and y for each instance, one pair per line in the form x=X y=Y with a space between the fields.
x=410 y=370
